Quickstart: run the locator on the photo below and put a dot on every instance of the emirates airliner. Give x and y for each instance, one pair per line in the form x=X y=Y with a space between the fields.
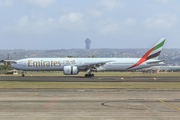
x=72 y=66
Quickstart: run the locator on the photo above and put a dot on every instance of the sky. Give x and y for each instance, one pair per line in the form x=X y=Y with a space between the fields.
x=65 y=24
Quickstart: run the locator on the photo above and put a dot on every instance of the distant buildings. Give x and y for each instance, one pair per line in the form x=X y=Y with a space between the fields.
x=33 y=55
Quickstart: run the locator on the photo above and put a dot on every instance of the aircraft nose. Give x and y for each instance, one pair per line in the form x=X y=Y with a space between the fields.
x=13 y=65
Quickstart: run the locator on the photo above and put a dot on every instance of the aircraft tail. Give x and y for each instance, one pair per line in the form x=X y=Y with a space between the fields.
x=153 y=53
x=156 y=50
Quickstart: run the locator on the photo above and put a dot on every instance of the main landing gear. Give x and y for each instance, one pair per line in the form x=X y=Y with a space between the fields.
x=89 y=75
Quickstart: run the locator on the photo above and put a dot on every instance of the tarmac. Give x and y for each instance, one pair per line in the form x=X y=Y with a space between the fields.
x=90 y=104
x=89 y=79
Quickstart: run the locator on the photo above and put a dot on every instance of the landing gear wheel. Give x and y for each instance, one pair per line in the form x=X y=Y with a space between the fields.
x=23 y=75
x=89 y=75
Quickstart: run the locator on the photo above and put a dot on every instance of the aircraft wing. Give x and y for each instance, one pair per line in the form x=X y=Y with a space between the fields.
x=95 y=64
x=164 y=61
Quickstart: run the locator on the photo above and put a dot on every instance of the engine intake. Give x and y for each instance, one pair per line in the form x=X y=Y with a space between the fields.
x=71 y=70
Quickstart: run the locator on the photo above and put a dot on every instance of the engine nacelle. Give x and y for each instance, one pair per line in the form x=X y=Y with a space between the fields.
x=70 y=70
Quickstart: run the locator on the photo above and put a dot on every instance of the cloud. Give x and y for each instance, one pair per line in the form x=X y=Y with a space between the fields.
x=112 y=27
x=6 y=3
x=37 y=23
x=98 y=9
x=71 y=22
x=111 y=4
x=107 y=27
x=160 y=1
x=72 y=17
x=40 y=3
x=130 y=22
x=95 y=12
x=159 y=21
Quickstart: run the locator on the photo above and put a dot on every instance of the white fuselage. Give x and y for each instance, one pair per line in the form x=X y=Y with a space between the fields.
x=57 y=64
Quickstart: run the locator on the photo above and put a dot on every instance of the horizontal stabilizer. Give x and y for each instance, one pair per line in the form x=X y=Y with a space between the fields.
x=164 y=61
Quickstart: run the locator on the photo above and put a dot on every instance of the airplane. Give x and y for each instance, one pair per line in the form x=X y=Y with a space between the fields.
x=72 y=66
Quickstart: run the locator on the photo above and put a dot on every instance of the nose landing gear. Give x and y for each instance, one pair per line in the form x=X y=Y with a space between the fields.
x=22 y=73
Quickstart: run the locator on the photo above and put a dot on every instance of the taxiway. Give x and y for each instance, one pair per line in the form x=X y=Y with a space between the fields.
x=96 y=104
x=91 y=79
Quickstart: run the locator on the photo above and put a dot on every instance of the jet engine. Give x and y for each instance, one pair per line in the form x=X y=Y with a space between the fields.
x=71 y=70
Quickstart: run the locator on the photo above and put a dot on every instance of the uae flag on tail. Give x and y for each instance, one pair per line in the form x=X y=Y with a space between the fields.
x=156 y=50
x=153 y=53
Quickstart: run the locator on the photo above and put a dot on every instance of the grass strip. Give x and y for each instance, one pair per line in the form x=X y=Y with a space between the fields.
x=165 y=85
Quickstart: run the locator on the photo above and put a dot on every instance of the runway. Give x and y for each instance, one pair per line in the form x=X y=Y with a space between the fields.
x=96 y=104
x=91 y=79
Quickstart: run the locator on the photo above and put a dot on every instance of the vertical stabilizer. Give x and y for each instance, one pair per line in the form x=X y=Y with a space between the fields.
x=156 y=50
x=153 y=53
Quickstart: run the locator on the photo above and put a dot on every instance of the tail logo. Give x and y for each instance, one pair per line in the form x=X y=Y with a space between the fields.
x=142 y=59
x=152 y=53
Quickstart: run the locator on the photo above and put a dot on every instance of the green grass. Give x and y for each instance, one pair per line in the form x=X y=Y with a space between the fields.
x=99 y=74
x=156 y=85
x=162 y=85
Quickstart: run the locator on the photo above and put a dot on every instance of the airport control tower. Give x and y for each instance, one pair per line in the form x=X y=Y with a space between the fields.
x=88 y=43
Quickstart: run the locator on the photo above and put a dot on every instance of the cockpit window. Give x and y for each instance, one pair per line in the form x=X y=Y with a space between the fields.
x=14 y=62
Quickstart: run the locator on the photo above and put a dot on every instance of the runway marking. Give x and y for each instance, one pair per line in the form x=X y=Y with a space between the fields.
x=49 y=103
x=146 y=107
x=145 y=112
x=169 y=104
